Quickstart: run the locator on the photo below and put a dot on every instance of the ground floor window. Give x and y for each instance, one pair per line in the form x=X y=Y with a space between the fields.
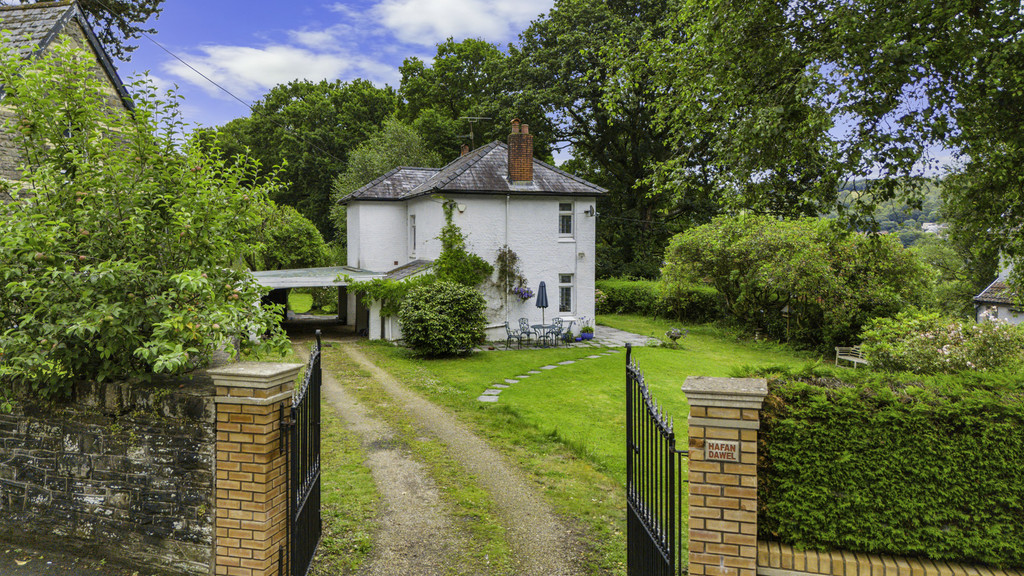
x=565 y=292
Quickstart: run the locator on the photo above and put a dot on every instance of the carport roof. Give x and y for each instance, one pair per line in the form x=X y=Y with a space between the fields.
x=314 y=277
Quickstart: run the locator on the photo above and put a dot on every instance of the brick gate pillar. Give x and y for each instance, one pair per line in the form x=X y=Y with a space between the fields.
x=250 y=520
x=723 y=425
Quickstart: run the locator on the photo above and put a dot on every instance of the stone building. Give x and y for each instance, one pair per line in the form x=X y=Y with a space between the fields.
x=32 y=29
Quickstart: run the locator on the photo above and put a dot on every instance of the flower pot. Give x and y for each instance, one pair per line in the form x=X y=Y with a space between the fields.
x=587 y=335
x=579 y=338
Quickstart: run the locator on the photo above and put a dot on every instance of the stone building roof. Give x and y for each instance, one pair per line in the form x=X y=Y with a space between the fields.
x=999 y=291
x=482 y=171
x=34 y=27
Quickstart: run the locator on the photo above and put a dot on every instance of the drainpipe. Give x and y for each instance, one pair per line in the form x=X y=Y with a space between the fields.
x=505 y=295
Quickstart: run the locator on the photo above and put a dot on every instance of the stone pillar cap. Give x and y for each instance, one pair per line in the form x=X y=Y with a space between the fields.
x=734 y=392
x=254 y=374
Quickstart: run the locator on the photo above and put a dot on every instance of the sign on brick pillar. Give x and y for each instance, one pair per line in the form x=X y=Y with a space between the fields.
x=723 y=425
x=251 y=516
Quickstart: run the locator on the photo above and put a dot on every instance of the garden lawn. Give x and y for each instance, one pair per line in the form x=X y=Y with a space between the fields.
x=578 y=409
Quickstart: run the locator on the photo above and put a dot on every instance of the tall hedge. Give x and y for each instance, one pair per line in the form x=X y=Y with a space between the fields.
x=927 y=468
x=690 y=302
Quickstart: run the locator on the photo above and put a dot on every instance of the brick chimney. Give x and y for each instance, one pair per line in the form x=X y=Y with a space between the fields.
x=520 y=153
x=465 y=149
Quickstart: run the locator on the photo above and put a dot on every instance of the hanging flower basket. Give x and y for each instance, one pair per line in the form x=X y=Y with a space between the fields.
x=523 y=293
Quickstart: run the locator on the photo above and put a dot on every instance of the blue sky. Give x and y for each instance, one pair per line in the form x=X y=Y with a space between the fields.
x=249 y=47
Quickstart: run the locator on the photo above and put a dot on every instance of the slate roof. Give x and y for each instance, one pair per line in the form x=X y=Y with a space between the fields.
x=482 y=171
x=406 y=270
x=33 y=27
x=999 y=291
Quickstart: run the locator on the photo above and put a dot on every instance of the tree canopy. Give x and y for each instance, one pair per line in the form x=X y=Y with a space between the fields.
x=123 y=255
x=798 y=98
x=802 y=279
x=307 y=129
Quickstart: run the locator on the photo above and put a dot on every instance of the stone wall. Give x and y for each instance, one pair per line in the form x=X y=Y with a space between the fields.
x=124 y=473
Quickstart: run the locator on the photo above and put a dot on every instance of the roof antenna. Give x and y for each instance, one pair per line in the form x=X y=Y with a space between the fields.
x=472 y=120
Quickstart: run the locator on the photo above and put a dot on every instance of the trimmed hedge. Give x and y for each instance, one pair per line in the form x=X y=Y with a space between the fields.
x=896 y=465
x=693 y=302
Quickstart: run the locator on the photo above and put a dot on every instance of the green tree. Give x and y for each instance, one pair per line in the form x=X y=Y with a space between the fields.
x=809 y=95
x=289 y=241
x=467 y=79
x=394 y=144
x=805 y=279
x=308 y=129
x=119 y=21
x=563 y=65
x=121 y=257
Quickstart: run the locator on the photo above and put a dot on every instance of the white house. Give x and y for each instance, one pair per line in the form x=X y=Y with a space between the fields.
x=997 y=301
x=503 y=197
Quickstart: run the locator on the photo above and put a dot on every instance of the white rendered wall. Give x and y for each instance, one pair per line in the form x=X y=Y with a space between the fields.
x=1001 y=313
x=528 y=224
x=377 y=235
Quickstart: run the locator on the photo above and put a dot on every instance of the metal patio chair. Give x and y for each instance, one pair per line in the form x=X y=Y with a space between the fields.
x=525 y=330
x=510 y=334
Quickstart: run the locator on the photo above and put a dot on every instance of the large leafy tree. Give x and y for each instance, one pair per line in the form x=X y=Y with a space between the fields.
x=807 y=95
x=121 y=256
x=308 y=129
x=563 y=64
x=118 y=22
x=467 y=79
x=395 y=144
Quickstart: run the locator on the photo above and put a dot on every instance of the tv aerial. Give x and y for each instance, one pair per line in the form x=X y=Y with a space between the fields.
x=472 y=137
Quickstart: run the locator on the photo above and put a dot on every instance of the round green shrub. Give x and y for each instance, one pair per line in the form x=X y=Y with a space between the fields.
x=442 y=319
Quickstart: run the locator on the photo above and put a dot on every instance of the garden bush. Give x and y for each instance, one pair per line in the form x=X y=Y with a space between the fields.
x=122 y=259
x=683 y=302
x=805 y=280
x=442 y=318
x=927 y=343
x=896 y=464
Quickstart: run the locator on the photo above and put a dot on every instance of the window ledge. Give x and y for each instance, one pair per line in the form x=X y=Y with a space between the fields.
x=567 y=240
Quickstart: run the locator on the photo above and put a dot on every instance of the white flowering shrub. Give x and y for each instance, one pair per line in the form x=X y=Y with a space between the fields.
x=927 y=343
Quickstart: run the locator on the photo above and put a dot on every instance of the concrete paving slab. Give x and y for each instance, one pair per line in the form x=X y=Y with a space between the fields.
x=488 y=399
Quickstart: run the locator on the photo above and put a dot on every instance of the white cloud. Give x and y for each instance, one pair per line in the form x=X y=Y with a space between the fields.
x=249 y=72
x=428 y=22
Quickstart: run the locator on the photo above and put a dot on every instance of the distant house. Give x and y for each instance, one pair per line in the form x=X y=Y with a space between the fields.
x=503 y=197
x=997 y=302
x=33 y=28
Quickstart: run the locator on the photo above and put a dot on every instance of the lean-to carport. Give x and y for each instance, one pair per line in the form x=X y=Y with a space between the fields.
x=281 y=281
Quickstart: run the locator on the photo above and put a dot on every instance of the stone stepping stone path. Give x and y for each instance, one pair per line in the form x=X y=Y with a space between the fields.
x=491 y=394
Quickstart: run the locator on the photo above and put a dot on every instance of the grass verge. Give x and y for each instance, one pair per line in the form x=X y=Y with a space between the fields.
x=566 y=426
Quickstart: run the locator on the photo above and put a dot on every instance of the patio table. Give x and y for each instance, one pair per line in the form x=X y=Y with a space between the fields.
x=542 y=330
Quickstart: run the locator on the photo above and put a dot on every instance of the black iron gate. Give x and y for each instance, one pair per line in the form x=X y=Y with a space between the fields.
x=304 y=526
x=655 y=484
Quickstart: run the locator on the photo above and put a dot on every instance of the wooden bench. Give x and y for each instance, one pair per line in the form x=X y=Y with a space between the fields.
x=851 y=354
